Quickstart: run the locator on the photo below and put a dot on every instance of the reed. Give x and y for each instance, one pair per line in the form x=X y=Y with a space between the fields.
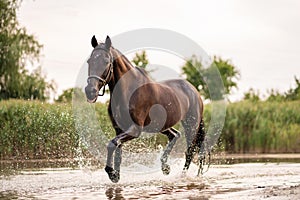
x=37 y=130
x=32 y=129
x=262 y=127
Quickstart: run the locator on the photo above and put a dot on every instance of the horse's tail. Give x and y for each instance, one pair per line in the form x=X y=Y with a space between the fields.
x=200 y=136
x=201 y=145
x=197 y=145
x=195 y=131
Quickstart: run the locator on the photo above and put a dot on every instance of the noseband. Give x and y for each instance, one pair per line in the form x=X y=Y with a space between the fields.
x=105 y=80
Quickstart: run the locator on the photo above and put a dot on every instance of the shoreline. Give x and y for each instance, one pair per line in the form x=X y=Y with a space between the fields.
x=258 y=155
x=214 y=156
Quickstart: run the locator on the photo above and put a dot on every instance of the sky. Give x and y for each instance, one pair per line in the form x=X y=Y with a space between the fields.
x=260 y=38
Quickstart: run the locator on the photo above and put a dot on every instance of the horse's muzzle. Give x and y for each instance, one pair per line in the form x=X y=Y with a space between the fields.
x=91 y=94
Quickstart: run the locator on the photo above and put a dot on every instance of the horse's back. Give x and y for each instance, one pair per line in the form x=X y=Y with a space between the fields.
x=185 y=91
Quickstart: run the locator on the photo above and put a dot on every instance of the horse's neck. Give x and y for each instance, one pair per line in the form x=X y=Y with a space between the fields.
x=123 y=69
x=121 y=66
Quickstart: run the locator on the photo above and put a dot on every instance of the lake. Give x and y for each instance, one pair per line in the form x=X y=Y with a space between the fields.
x=254 y=180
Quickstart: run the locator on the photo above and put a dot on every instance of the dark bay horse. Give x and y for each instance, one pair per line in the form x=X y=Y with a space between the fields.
x=138 y=104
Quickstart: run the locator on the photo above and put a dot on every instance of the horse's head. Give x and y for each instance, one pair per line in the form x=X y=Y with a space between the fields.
x=100 y=68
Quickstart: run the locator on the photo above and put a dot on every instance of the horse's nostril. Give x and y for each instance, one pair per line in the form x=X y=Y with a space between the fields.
x=90 y=92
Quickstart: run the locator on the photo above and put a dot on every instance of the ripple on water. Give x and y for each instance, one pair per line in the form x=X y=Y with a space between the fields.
x=225 y=181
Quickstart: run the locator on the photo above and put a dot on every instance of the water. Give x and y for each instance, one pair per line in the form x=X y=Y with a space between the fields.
x=235 y=181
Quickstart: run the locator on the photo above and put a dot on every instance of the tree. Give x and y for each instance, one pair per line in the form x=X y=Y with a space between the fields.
x=195 y=73
x=18 y=48
x=140 y=59
x=290 y=95
x=274 y=95
x=252 y=95
x=293 y=93
x=66 y=96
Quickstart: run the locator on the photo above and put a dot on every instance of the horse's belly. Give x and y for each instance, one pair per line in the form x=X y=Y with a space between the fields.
x=159 y=116
x=156 y=107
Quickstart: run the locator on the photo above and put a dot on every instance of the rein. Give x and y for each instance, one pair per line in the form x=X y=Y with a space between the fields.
x=108 y=75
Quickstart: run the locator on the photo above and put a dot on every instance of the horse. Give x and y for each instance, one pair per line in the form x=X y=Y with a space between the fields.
x=149 y=106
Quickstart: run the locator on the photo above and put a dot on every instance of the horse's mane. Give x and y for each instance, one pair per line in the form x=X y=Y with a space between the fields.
x=143 y=71
x=125 y=60
x=120 y=55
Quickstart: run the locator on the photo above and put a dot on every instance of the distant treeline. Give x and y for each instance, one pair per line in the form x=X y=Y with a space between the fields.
x=37 y=130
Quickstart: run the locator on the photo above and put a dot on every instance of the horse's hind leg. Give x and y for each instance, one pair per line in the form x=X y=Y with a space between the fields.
x=172 y=135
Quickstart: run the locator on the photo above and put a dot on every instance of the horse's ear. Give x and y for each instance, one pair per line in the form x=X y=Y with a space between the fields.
x=107 y=42
x=94 y=41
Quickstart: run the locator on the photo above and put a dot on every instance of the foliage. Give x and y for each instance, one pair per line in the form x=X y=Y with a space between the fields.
x=199 y=76
x=262 y=127
x=66 y=96
x=17 y=49
x=228 y=72
x=140 y=60
x=37 y=130
x=291 y=95
x=274 y=95
x=193 y=69
x=252 y=95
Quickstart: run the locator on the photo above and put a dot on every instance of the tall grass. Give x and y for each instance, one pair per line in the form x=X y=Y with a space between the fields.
x=32 y=129
x=262 y=127
x=36 y=130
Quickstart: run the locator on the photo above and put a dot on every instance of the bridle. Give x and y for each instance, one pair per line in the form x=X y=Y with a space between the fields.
x=105 y=80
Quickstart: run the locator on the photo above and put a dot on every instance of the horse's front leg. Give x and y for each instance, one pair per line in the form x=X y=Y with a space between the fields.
x=115 y=145
x=118 y=158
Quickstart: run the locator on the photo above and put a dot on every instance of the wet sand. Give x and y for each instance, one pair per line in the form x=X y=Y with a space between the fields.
x=237 y=181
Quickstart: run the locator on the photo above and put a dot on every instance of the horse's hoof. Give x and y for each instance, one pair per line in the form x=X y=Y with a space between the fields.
x=113 y=175
x=166 y=169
